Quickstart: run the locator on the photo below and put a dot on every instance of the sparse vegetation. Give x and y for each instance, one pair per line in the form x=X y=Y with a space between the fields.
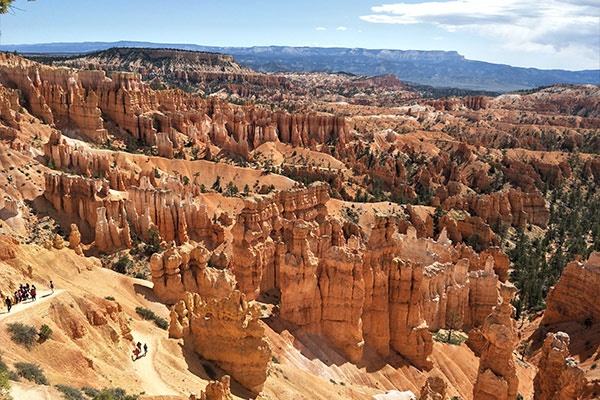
x=450 y=337
x=124 y=265
x=108 y=394
x=70 y=393
x=31 y=372
x=4 y=381
x=23 y=334
x=153 y=245
x=149 y=315
x=45 y=333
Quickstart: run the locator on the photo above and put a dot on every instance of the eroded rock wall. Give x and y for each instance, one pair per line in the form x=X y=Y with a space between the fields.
x=227 y=331
x=377 y=286
x=115 y=216
x=186 y=269
x=583 y=279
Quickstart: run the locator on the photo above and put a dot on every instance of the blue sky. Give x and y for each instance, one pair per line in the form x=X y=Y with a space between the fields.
x=544 y=34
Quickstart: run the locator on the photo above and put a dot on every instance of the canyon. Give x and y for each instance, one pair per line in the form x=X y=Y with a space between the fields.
x=337 y=247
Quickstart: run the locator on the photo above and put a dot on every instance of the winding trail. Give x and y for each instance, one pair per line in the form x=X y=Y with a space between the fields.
x=151 y=381
x=17 y=308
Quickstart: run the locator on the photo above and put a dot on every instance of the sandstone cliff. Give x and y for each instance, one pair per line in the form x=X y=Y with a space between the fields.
x=575 y=295
x=114 y=216
x=81 y=101
x=384 y=289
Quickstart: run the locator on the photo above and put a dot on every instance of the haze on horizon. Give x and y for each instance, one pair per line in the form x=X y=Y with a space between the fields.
x=556 y=34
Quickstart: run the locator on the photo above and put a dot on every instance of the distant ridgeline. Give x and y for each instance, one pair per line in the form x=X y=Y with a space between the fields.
x=440 y=69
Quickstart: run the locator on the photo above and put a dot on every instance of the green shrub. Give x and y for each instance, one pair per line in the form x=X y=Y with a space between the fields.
x=70 y=393
x=23 y=334
x=13 y=376
x=3 y=365
x=90 y=392
x=31 y=372
x=111 y=298
x=149 y=315
x=123 y=265
x=161 y=323
x=140 y=275
x=153 y=245
x=45 y=333
x=145 y=313
x=108 y=394
x=4 y=380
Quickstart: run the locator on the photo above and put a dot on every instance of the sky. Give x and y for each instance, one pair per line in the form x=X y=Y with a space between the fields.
x=546 y=34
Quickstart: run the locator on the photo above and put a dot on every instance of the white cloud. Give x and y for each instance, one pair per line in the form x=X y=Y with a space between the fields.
x=320 y=28
x=341 y=28
x=551 y=26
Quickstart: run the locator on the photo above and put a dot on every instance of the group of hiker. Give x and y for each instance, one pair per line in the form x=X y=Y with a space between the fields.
x=25 y=292
x=137 y=352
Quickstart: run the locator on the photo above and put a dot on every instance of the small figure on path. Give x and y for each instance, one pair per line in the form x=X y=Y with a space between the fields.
x=145 y=348
x=33 y=292
x=136 y=353
x=52 y=286
x=8 y=303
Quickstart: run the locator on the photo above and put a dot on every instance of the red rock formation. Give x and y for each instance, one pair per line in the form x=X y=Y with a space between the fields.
x=410 y=334
x=78 y=100
x=216 y=390
x=468 y=229
x=75 y=239
x=227 y=331
x=342 y=290
x=434 y=389
x=558 y=376
x=113 y=218
x=57 y=95
x=497 y=377
x=482 y=294
x=512 y=207
x=575 y=295
x=186 y=269
x=8 y=247
x=405 y=285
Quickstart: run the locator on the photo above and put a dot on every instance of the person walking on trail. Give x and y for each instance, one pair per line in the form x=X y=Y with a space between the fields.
x=52 y=286
x=145 y=348
x=8 y=303
x=136 y=353
x=33 y=292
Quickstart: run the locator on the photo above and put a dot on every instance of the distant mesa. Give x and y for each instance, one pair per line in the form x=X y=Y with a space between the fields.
x=433 y=68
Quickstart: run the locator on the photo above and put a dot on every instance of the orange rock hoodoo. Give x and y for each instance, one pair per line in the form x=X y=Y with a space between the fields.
x=186 y=269
x=383 y=289
x=113 y=217
x=559 y=376
x=80 y=100
x=497 y=378
x=227 y=331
